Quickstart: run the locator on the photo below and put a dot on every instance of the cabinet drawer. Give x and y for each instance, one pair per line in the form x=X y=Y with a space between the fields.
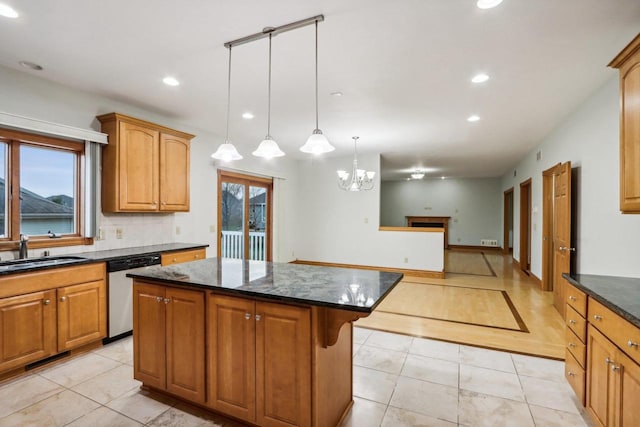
x=622 y=333
x=575 y=376
x=577 y=323
x=576 y=347
x=184 y=256
x=577 y=299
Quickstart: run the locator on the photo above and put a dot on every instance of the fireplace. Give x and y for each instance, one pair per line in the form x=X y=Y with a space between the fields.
x=431 y=222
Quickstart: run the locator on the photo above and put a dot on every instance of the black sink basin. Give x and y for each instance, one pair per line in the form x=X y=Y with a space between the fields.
x=29 y=263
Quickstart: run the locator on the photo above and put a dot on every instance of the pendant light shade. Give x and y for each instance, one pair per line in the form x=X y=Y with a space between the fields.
x=268 y=148
x=227 y=152
x=317 y=143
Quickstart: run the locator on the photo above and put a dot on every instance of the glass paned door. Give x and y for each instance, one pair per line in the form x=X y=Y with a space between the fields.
x=232 y=212
x=244 y=216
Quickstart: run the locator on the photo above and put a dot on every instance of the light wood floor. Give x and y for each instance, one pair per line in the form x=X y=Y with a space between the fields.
x=545 y=336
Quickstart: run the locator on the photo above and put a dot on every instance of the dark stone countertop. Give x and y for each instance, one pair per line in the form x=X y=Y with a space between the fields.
x=111 y=254
x=619 y=294
x=9 y=267
x=342 y=288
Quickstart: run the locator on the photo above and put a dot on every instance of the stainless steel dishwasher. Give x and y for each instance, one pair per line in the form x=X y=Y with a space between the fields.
x=121 y=293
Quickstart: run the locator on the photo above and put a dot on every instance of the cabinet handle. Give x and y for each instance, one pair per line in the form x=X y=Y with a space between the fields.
x=63 y=299
x=572 y=322
x=572 y=298
x=247 y=316
x=615 y=368
x=48 y=301
x=258 y=317
x=164 y=203
x=596 y=317
x=571 y=374
x=572 y=345
x=158 y=299
x=608 y=361
x=167 y=300
x=632 y=344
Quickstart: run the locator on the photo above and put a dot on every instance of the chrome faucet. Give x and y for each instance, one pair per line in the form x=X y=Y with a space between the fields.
x=23 y=249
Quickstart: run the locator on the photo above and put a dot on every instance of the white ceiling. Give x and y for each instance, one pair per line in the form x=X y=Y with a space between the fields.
x=404 y=67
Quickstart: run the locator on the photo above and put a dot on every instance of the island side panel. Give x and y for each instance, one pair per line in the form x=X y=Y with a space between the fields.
x=332 y=369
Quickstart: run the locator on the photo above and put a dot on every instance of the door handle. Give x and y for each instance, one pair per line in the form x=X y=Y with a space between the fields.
x=564 y=248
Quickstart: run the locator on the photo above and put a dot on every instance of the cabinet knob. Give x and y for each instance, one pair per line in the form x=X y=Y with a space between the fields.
x=48 y=301
x=197 y=256
x=572 y=345
x=596 y=317
x=572 y=322
x=175 y=260
x=632 y=344
x=247 y=316
x=63 y=299
x=167 y=300
x=258 y=317
x=164 y=203
x=158 y=299
x=615 y=368
x=571 y=374
x=608 y=361
x=572 y=298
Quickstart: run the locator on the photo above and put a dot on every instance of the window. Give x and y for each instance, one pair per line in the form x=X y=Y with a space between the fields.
x=44 y=173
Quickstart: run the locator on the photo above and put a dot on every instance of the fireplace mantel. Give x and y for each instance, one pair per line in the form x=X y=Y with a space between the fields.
x=431 y=222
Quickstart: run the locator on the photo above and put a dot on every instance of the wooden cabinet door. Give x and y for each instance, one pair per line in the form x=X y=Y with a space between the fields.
x=149 y=363
x=138 y=163
x=27 y=328
x=628 y=400
x=283 y=365
x=185 y=343
x=82 y=314
x=601 y=353
x=630 y=134
x=232 y=356
x=174 y=173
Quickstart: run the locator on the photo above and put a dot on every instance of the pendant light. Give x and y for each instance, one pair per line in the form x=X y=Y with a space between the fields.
x=317 y=143
x=227 y=152
x=268 y=148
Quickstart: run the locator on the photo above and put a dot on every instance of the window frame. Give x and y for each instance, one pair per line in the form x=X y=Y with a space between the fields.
x=14 y=140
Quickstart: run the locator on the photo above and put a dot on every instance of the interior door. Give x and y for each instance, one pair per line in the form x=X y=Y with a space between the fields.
x=561 y=233
x=244 y=216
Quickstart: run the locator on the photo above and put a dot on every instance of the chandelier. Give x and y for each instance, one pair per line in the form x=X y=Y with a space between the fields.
x=358 y=179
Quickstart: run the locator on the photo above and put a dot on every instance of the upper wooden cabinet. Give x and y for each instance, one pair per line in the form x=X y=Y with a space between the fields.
x=628 y=62
x=145 y=167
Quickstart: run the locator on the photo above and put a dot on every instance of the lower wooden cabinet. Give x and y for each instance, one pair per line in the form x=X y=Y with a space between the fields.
x=613 y=383
x=28 y=328
x=82 y=314
x=260 y=361
x=169 y=339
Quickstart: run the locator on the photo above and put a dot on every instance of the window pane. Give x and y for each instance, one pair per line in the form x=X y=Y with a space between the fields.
x=3 y=189
x=47 y=191
x=232 y=199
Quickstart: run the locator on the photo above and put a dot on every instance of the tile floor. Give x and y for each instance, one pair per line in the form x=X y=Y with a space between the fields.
x=398 y=381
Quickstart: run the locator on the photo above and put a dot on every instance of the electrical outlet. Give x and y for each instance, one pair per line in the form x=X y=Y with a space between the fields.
x=118 y=233
x=101 y=234
x=212 y=228
x=177 y=229
x=366 y=220
x=406 y=260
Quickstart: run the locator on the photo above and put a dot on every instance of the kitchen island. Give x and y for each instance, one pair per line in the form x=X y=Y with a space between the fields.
x=266 y=343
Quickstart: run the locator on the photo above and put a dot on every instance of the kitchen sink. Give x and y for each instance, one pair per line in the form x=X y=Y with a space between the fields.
x=29 y=263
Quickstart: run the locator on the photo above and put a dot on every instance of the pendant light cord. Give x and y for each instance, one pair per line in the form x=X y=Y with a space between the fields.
x=228 y=96
x=317 y=75
x=269 y=106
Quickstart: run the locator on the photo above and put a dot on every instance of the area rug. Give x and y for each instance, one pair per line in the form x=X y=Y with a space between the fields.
x=472 y=306
x=463 y=262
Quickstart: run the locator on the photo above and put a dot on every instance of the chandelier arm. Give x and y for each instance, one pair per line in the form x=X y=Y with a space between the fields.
x=228 y=96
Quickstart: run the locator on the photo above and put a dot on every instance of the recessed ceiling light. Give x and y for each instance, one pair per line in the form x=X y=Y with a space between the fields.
x=170 y=81
x=336 y=93
x=31 y=65
x=473 y=118
x=7 y=11
x=442 y=177
x=488 y=4
x=480 y=78
x=247 y=115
